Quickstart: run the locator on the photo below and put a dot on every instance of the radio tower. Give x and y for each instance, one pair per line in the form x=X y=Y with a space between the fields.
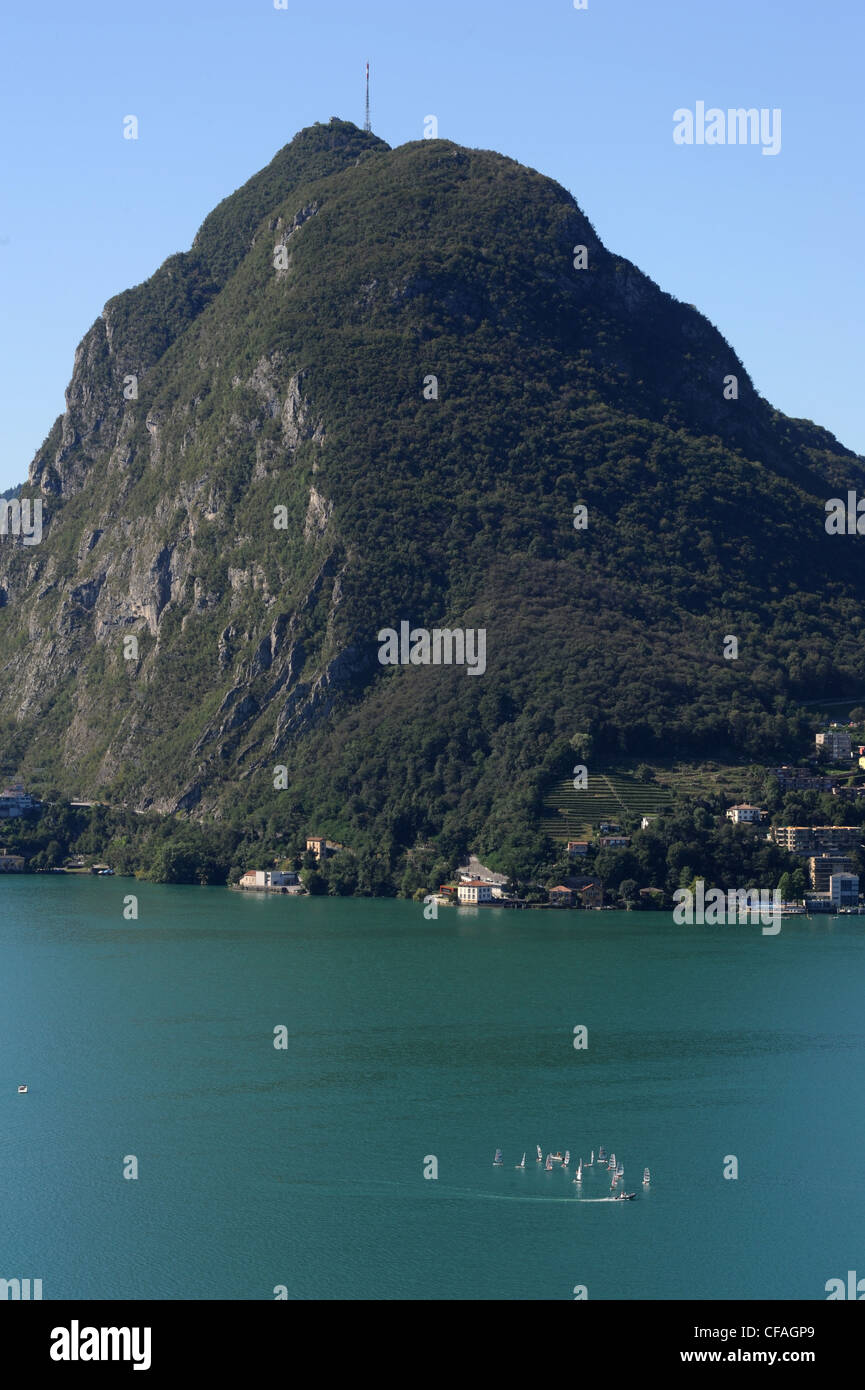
x=366 y=124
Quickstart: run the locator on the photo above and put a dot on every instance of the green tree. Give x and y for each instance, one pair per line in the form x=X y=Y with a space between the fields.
x=54 y=854
x=629 y=891
x=313 y=881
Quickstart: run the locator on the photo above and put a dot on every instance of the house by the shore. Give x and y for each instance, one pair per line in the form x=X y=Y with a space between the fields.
x=285 y=880
x=474 y=890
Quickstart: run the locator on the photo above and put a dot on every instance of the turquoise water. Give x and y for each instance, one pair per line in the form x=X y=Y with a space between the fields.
x=304 y=1167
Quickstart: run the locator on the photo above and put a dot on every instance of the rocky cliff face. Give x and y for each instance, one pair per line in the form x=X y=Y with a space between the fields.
x=251 y=478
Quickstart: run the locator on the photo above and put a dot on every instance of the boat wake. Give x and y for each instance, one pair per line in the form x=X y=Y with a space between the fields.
x=507 y=1197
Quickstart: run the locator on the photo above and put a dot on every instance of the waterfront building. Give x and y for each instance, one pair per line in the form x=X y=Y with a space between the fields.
x=821 y=867
x=844 y=890
x=268 y=878
x=474 y=890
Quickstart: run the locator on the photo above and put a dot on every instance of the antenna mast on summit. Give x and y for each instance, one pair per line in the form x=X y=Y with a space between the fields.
x=366 y=124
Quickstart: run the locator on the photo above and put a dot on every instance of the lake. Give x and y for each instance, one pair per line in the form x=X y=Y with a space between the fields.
x=409 y=1041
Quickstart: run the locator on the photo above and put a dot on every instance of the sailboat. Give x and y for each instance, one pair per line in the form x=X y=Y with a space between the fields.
x=620 y=1170
x=591 y=1161
x=567 y=1158
x=540 y=1155
x=22 y=1090
x=498 y=1160
x=549 y=1164
x=522 y=1163
x=602 y=1154
x=578 y=1176
x=611 y=1166
x=646 y=1178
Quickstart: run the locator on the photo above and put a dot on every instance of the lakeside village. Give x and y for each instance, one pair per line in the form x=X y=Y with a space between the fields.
x=824 y=874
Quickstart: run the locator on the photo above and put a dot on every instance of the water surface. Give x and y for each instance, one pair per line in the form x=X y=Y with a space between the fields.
x=408 y=1040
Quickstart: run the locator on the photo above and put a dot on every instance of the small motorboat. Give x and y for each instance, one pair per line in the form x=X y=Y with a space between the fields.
x=22 y=1090
x=624 y=1197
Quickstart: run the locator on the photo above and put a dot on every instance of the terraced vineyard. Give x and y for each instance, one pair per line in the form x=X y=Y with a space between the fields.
x=571 y=815
x=617 y=796
x=709 y=779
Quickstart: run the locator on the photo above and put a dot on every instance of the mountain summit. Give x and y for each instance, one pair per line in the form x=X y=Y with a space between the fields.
x=374 y=392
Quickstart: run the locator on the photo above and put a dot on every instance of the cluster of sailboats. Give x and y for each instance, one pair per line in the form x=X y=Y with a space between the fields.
x=612 y=1166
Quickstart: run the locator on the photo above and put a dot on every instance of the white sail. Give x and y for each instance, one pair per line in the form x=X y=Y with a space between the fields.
x=567 y=1158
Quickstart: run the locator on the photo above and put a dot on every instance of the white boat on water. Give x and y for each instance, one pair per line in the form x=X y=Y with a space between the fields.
x=498 y=1160
x=567 y=1158
x=646 y=1177
x=602 y=1154
x=578 y=1176
x=549 y=1163
x=22 y=1090
x=522 y=1164
x=540 y=1155
x=591 y=1161
x=620 y=1170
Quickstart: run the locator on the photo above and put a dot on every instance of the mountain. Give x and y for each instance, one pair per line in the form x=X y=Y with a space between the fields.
x=284 y=484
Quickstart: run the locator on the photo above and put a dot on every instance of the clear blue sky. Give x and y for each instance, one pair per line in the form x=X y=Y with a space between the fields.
x=770 y=248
